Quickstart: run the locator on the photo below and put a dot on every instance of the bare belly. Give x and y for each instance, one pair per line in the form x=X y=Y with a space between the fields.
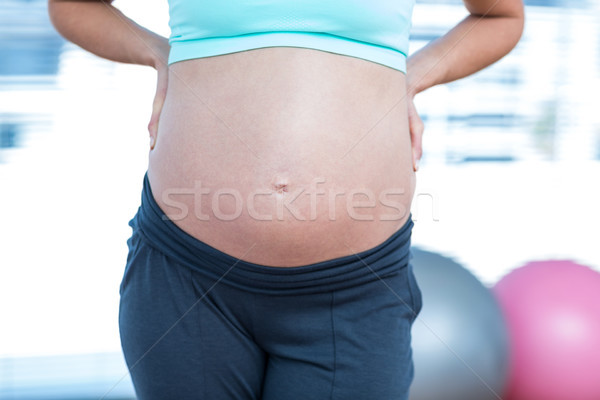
x=284 y=156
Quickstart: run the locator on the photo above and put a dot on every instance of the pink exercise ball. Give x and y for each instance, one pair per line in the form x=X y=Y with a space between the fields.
x=552 y=310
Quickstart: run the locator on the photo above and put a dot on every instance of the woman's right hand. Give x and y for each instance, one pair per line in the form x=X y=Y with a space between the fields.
x=161 y=92
x=416 y=128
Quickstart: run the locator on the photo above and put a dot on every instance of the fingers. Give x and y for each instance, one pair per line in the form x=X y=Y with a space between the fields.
x=152 y=128
x=157 y=106
x=153 y=124
x=416 y=128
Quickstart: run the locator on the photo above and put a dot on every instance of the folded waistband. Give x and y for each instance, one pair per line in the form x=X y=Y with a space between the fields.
x=161 y=233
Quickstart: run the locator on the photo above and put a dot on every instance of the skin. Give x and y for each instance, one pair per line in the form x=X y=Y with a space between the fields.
x=317 y=168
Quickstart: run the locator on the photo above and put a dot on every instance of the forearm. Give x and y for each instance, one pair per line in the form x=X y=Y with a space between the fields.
x=478 y=41
x=100 y=28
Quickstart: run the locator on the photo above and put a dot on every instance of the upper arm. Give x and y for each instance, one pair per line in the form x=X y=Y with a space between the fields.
x=65 y=14
x=495 y=8
x=51 y=2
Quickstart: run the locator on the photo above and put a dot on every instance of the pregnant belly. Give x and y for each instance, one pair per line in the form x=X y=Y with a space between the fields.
x=284 y=156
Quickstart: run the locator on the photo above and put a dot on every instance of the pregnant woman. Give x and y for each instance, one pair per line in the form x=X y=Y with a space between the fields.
x=270 y=256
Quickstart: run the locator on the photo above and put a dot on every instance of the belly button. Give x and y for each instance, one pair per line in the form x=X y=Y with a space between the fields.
x=281 y=187
x=280 y=184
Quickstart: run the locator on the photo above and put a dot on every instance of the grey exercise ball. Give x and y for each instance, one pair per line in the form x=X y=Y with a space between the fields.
x=460 y=339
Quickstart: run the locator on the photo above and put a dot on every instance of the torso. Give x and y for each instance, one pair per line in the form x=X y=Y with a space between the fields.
x=254 y=149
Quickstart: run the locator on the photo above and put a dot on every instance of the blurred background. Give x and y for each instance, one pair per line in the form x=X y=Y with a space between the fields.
x=510 y=174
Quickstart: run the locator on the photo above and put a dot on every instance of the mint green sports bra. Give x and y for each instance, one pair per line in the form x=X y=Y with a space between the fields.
x=374 y=30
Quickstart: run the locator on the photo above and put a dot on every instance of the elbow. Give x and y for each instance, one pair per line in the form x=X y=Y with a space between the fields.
x=57 y=14
x=64 y=13
x=514 y=16
x=512 y=26
x=517 y=26
x=510 y=14
x=52 y=12
x=519 y=21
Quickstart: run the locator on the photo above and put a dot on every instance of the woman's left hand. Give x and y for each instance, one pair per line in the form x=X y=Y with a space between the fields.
x=162 y=71
x=416 y=127
x=157 y=104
